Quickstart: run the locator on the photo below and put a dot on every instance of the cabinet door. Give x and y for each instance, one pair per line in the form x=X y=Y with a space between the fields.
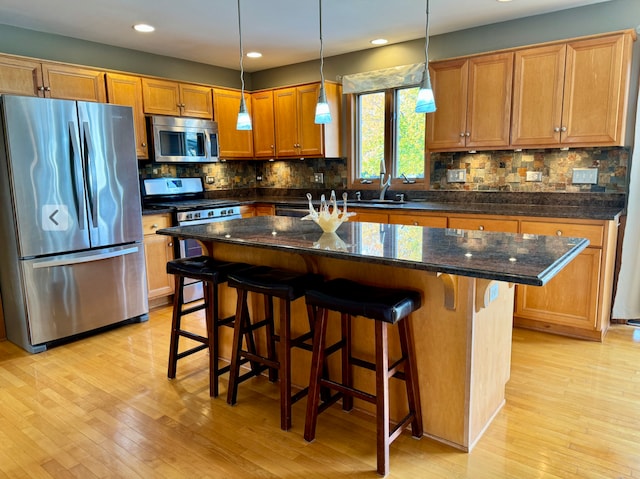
x=418 y=220
x=196 y=101
x=127 y=90
x=160 y=97
x=596 y=79
x=368 y=216
x=565 y=300
x=262 y=115
x=73 y=83
x=158 y=251
x=20 y=77
x=233 y=143
x=310 y=137
x=489 y=100
x=537 y=96
x=286 y=119
x=446 y=127
x=265 y=210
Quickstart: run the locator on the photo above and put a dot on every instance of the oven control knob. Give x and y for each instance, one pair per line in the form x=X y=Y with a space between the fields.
x=189 y=216
x=196 y=215
x=211 y=213
x=223 y=213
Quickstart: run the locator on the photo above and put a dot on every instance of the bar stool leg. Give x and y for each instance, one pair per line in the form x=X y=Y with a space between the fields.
x=347 y=370
x=211 y=328
x=317 y=361
x=214 y=336
x=411 y=376
x=270 y=328
x=382 y=397
x=234 y=369
x=285 y=365
x=175 y=326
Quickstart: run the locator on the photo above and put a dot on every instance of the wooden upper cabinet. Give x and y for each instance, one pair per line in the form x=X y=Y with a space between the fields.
x=233 y=143
x=572 y=94
x=21 y=77
x=473 y=99
x=73 y=83
x=537 y=95
x=264 y=133
x=164 y=97
x=127 y=90
x=297 y=134
x=596 y=89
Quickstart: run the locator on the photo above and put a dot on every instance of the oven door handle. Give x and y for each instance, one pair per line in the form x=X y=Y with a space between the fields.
x=209 y=220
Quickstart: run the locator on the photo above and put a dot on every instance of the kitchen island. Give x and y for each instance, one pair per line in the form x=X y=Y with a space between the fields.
x=463 y=329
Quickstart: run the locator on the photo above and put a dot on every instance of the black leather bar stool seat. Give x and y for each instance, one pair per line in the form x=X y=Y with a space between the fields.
x=212 y=273
x=287 y=286
x=386 y=307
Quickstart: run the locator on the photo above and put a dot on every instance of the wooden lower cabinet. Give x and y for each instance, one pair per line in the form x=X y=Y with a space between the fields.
x=483 y=223
x=264 y=209
x=577 y=301
x=418 y=220
x=370 y=216
x=158 y=251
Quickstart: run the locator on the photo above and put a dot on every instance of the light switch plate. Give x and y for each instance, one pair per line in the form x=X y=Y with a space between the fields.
x=534 y=175
x=585 y=176
x=209 y=180
x=456 y=176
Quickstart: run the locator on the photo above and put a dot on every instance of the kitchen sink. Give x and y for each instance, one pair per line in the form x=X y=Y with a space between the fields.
x=374 y=202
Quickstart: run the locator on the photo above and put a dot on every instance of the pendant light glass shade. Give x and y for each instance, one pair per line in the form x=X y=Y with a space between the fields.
x=426 y=102
x=244 y=120
x=323 y=114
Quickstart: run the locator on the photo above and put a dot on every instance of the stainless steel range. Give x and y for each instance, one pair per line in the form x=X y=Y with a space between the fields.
x=185 y=197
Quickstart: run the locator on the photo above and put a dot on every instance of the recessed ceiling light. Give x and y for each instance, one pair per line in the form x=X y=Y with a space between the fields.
x=379 y=41
x=503 y=1
x=254 y=54
x=143 y=28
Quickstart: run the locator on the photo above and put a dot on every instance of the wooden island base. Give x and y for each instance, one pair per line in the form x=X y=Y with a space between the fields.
x=462 y=338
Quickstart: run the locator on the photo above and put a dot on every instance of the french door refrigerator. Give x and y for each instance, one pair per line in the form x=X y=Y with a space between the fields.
x=71 y=253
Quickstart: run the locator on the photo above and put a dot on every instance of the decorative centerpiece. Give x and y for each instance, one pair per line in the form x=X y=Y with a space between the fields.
x=329 y=216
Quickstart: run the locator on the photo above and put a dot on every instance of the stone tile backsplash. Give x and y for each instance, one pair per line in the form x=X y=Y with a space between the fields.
x=486 y=171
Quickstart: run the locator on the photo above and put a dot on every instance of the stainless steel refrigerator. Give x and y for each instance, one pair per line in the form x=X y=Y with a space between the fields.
x=71 y=253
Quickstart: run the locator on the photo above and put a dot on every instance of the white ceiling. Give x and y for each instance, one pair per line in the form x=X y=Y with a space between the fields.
x=285 y=31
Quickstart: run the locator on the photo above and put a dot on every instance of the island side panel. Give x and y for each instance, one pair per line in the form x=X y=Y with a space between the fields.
x=461 y=352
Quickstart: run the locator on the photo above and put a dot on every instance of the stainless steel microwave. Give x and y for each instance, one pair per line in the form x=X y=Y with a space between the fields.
x=183 y=140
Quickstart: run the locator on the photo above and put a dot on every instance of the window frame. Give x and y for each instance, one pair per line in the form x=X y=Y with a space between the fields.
x=353 y=135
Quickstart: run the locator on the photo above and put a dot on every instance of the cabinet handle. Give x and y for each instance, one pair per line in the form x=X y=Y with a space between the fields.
x=559 y=233
x=557 y=129
x=154 y=226
x=415 y=223
x=462 y=134
x=564 y=128
x=144 y=145
x=467 y=134
x=40 y=88
x=481 y=228
x=169 y=244
x=47 y=88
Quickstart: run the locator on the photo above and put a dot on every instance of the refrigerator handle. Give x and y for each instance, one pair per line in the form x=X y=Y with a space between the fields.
x=76 y=178
x=84 y=259
x=90 y=169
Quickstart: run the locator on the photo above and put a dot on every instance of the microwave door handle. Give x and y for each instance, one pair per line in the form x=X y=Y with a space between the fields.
x=76 y=173
x=91 y=171
x=207 y=145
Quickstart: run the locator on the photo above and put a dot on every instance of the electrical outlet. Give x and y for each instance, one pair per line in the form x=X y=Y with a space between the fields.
x=456 y=176
x=534 y=176
x=258 y=177
x=585 y=176
x=318 y=177
x=209 y=180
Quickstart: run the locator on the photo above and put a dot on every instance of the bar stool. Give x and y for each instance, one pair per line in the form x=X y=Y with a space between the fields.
x=212 y=273
x=287 y=286
x=386 y=307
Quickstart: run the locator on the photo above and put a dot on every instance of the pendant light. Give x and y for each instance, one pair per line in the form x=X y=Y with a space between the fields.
x=323 y=115
x=244 y=120
x=426 y=102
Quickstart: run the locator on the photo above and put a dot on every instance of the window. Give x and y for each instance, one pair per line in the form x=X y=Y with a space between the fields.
x=390 y=131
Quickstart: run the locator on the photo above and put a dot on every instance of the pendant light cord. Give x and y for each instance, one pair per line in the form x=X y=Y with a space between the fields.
x=426 y=41
x=241 y=54
x=321 y=46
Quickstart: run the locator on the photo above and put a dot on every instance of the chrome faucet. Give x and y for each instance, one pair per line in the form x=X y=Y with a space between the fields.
x=384 y=185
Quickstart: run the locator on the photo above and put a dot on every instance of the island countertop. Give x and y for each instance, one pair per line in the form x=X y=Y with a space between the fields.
x=514 y=258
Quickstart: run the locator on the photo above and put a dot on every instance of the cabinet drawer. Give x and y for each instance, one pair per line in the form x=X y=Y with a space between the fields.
x=151 y=223
x=594 y=233
x=418 y=220
x=484 y=224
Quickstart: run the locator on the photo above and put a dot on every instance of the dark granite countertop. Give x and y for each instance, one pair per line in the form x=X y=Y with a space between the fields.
x=518 y=258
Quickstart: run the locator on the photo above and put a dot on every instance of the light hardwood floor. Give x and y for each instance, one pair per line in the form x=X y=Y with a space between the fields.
x=103 y=407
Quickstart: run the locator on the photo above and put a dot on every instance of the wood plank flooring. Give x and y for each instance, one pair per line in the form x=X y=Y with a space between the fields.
x=103 y=407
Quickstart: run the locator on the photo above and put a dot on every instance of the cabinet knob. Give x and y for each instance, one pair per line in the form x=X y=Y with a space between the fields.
x=415 y=223
x=462 y=134
x=144 y=145
x=559 y=233
x=40 y=88
x=154 y=226
x=481 y=228
x=467 y=134
x=169 y=244
x=47 y=88
x=557 y=129
x=564 y=128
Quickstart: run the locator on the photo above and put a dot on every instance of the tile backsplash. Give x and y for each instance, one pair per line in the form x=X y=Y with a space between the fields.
x=485 y=171
x=507 y=170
